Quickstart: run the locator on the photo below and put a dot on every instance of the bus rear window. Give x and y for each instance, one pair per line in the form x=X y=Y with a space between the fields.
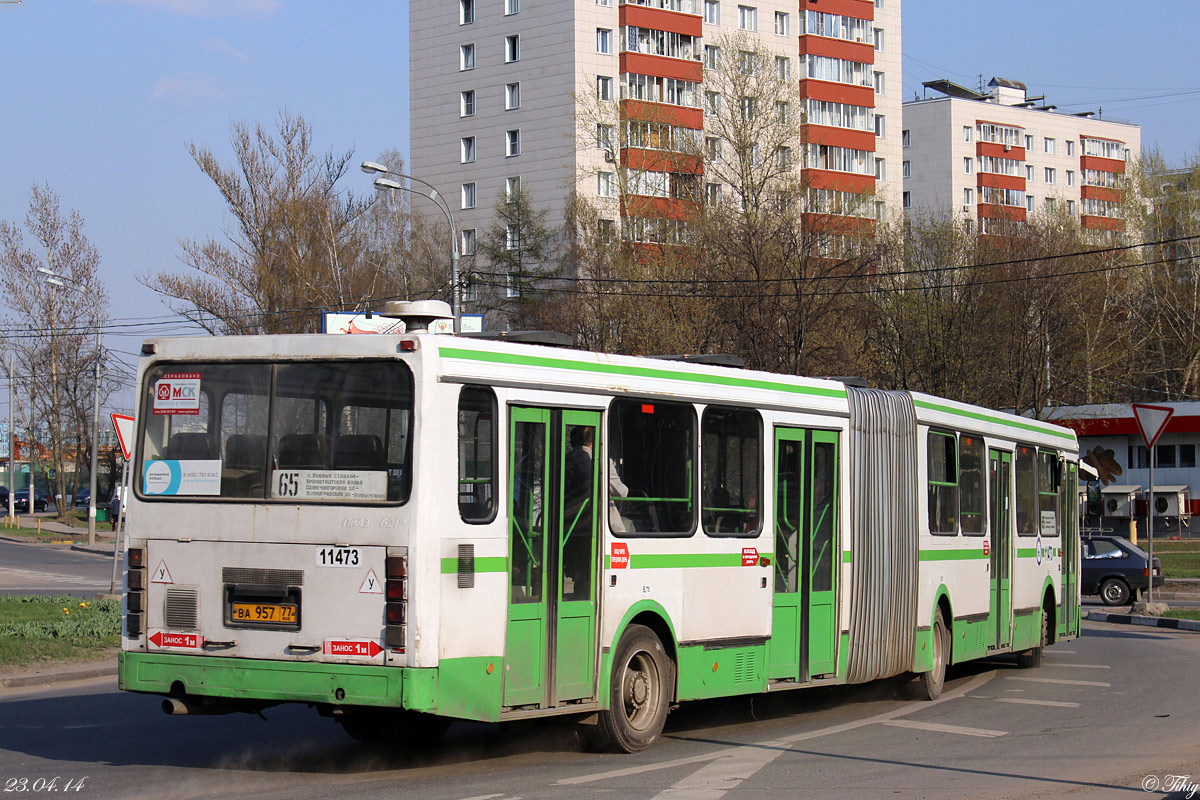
x=331 y=432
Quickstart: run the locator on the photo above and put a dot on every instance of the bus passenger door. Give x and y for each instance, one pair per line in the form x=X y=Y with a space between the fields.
x=1069 y=588
x=804 y=617
x=1000 y=514
x=553 y=499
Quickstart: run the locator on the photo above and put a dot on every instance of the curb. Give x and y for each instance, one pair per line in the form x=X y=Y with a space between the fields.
x=1150 y=622
x=97 y=550
x=40 y=680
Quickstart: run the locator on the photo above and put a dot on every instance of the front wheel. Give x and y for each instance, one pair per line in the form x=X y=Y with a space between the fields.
x=639 y=693
x=1114 y=592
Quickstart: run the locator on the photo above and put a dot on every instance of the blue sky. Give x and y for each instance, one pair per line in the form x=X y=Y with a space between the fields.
x=101 y=97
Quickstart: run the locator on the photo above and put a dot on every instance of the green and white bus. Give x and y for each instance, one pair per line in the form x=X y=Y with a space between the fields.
x=403 y=530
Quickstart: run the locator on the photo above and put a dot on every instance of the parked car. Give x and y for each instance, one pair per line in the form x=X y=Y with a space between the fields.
x=1116 y=569
x=83 y=497
x=41 y=501
x=4 y=499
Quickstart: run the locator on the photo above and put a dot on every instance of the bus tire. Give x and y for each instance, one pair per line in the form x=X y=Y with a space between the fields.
x=1032 y=658
x=394 y=728
x=928 y=685
x=639 y=695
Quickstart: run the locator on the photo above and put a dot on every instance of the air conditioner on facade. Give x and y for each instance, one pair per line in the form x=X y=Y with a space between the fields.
x=1172 y=501
x=1119 y=501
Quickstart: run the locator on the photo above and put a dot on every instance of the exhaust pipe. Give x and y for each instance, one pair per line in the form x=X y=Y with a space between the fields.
x=182 y=706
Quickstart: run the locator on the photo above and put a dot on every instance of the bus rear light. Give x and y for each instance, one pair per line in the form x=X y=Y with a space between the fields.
x=394 y=590
x=393 y=637
x=395 y=567
x=135 y=579
x=135 y=602
x=394 y=613
x=136 y=558
x=133 y=625
x=408 y=345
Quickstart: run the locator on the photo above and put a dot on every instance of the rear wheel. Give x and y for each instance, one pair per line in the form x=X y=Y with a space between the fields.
x=1114 y=592
x=393 y=727
x=1032 y=658
x=928 y=685
x=639 y=694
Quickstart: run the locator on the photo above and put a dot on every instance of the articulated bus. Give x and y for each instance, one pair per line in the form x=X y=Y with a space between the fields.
x=404 y=530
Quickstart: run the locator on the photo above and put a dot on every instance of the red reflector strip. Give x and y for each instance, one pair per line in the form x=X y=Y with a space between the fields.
x=394 y=591
x=394 y=613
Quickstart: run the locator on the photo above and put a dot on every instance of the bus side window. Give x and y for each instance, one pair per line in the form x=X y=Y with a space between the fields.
x=1049 y=493
x=1027 y=491
x=477 y=454
x=971 y=496
x=652 y=446
x=943 y=484
x=731 y=482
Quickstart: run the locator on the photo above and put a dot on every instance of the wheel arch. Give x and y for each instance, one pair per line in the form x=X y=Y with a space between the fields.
x=652 y=615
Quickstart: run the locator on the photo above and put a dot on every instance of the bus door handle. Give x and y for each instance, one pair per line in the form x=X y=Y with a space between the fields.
x=208 y=643
x=302 y=648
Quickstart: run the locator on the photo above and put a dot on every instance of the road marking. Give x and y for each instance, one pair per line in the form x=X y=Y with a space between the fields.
x=774 y=747
x=484 y=796
x=933 y=726
x=1059 y=680
x=1078 y=666
x=1057 y=652
x=1028 y=702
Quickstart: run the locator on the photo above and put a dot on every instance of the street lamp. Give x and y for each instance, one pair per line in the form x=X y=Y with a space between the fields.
x=54 y=279
x=373 y=168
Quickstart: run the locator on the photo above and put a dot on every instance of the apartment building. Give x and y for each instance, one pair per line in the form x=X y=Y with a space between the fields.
x=1002 y=155
x=501 y=91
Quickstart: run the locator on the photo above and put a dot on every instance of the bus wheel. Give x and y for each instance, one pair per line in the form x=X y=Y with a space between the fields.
x=393 y=727
x=638 y=699
x=1031 y=658
x=928 y=685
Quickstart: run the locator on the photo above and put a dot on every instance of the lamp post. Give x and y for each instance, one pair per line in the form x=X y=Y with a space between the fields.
x=54 y=279
x=373 y=168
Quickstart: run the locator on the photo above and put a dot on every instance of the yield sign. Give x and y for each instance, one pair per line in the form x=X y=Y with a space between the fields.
x=124 y=428
x=1151 y=421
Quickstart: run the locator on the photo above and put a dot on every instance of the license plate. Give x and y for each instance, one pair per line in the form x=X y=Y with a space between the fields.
x=264 y=612
x=340 y=557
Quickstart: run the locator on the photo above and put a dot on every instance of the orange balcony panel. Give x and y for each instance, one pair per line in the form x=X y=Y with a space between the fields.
x=1102 y=164
x=661 y=66
x=657 y=207
x=1102 y=223
x=837 y=92
x=993 y=211
x=1101 y=193
x=837 y=48
x=1000 y=151
x=839 y=181
x=661 y=161
x=1001 y=181
x=859 y=9
x=661 y=19
x=840 y=137
x=661 y=112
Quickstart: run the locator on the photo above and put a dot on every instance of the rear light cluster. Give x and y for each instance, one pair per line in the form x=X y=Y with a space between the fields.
x=395 y=592
x=135 y=591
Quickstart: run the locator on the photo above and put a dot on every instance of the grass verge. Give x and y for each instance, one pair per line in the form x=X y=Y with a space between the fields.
x=1178 y=565
x=1183 y=613
x=40 y=628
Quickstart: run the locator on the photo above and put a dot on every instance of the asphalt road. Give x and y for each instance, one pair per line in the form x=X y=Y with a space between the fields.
x=52 y=569
x=1104 y=715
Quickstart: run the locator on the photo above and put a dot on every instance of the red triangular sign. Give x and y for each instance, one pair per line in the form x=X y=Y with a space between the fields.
x=1151 y=421
x=124 y=427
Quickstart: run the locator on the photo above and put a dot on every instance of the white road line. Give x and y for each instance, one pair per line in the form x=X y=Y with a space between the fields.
x=1028 y=702
x=774 y=748
x=1057 y=652
x=1078 y=666
x=1058 y=680
x=935 y=727
x=484 y=796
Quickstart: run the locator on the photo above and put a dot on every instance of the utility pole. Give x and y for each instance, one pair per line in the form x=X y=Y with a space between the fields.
x=95 y=442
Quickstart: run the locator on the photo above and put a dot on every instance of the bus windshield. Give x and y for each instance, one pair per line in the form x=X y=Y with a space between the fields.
x=314 y=431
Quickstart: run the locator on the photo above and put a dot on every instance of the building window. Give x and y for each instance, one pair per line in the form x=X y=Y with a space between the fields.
x=1029 y=203
x=604 y=41
x=749 y=62
x=466 y=12
x=512 y=48
x=905 y=139
x=467 y=147
x=712 y=12
x=468 y=195
x=712 y=148
x=907 y=199
x=783 y=24
x=1070 y=206
x=968 y=132
x=881 y=169
x=604 y=2
x=1048 y=203
x=512 y=143
x=1029 y=173
x=511 y=289
x=783 y=68
x=749 y=111
x=512 y=238
x=1029 y=142
x=880 y=125
x=879 y=3
x=1070 y=147
x=467 y=245
x=511 y=6
x=783 y=158
x=512 y=187
x=747 y=18
x=968 y=165
x=906 y=169
x=1049 y=145
x=604 y=87
x=469 y=294
x=879 y=39
x=466 y=57
x=968 y=197
x=606 y=184
x=1070 y=177
x=512 y=96
x=783 y=112
x=606 y=137
x=712 y=56
x=1049 y=175
x=467 y=103
x=712 y=102
x=880 y=88
x=712 y=194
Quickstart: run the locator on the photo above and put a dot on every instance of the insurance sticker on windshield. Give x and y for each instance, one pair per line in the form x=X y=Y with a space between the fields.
x=177 y=393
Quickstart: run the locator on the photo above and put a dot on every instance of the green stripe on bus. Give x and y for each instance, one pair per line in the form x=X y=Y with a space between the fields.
x=639 y=372
x=1026 y=552
x=953 y=555
x=1061 y=433
x=484 y=564
x=847 y=557
x=681 y=560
